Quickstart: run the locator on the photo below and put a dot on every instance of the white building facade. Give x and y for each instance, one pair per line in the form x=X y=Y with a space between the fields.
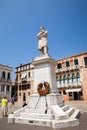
x=5 y=81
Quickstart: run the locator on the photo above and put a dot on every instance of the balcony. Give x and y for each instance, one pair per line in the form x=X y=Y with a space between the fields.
x=5 y=80
x=76 y=67
x=67 y=85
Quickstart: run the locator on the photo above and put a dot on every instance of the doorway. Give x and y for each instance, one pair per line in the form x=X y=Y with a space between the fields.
x=24 y=97
x=75 y=94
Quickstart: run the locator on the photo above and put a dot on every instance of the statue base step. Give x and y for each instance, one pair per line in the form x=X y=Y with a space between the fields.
x=46 y=110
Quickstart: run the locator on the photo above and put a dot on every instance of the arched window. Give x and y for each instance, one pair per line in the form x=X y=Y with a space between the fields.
x=67 y=64
x=68 y=77
x=29 y=74
x=78 y=77
x=76 y=62
x=74 y=80
x=62 y=84
x=64 y=78
x=3 y=75
x=60 y=80
x=8 y=76
x=59 y=66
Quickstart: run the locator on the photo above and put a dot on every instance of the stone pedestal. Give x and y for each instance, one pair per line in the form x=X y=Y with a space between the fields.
x=44 y=70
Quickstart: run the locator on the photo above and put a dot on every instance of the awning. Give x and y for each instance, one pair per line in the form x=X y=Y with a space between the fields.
x=73 y=90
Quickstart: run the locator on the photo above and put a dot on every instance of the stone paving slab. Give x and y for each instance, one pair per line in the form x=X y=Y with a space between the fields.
x=82 y=105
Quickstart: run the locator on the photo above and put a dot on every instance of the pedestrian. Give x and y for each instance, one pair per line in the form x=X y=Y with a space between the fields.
x=24 y=104
x=12 y=101
x=4 y=106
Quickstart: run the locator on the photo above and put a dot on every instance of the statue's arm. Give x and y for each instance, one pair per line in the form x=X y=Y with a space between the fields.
x=39 y=35
x=42 y=34
x=45 y=34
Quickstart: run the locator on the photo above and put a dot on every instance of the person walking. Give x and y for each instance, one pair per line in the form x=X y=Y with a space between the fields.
x=12 y=101
x=4 y=106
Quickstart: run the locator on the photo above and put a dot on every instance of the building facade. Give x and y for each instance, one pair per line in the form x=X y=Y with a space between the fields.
x=5 y=81
x=71 y=75
x=24 y=82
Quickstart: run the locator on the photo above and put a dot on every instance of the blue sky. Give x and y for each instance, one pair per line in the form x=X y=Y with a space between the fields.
x=20 y=21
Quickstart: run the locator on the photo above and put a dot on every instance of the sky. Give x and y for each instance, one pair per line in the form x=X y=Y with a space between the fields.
x=20 y=22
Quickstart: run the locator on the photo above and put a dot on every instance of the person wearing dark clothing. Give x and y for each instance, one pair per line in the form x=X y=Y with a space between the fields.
x=13 y=101
x=24 y=104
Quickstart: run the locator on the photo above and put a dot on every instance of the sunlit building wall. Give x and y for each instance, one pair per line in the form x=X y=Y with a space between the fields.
x=5 y=81
x=71 y=76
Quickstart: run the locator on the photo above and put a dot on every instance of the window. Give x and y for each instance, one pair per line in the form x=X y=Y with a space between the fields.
x=73 y=77
x=68 y=76
x=8 y=76
x=8 y=88
x=23 y=87
x=64 y=92
x=19 y=87
x=28 y=86
x=85 y=61
x=60 y=79
x=64 y=78
x=28 y=93
x=76 y=62
x=78 y=77
x=67 y=64
x=29 y=74
x=19 y=94
x=70 y=94
x=2 y=88
x=59 y=66
x=20 y=76
x=3 y=75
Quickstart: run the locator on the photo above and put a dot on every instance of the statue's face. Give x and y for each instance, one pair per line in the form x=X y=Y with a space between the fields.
x=42 y=29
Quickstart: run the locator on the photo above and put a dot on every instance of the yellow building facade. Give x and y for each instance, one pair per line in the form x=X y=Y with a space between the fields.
x=24 y=82
x=71 y=75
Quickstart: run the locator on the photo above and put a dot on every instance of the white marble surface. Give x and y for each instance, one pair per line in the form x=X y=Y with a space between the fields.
x=44 y=70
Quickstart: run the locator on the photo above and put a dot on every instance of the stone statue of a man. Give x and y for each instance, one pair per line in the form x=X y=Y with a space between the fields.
x=42 y=41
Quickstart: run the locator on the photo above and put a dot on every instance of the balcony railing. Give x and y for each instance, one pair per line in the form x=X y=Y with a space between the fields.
x=5 y=80
x=76 y=84
x=68 y=69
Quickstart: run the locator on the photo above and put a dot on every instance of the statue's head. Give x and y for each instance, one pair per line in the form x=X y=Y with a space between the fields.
x=42 y=29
